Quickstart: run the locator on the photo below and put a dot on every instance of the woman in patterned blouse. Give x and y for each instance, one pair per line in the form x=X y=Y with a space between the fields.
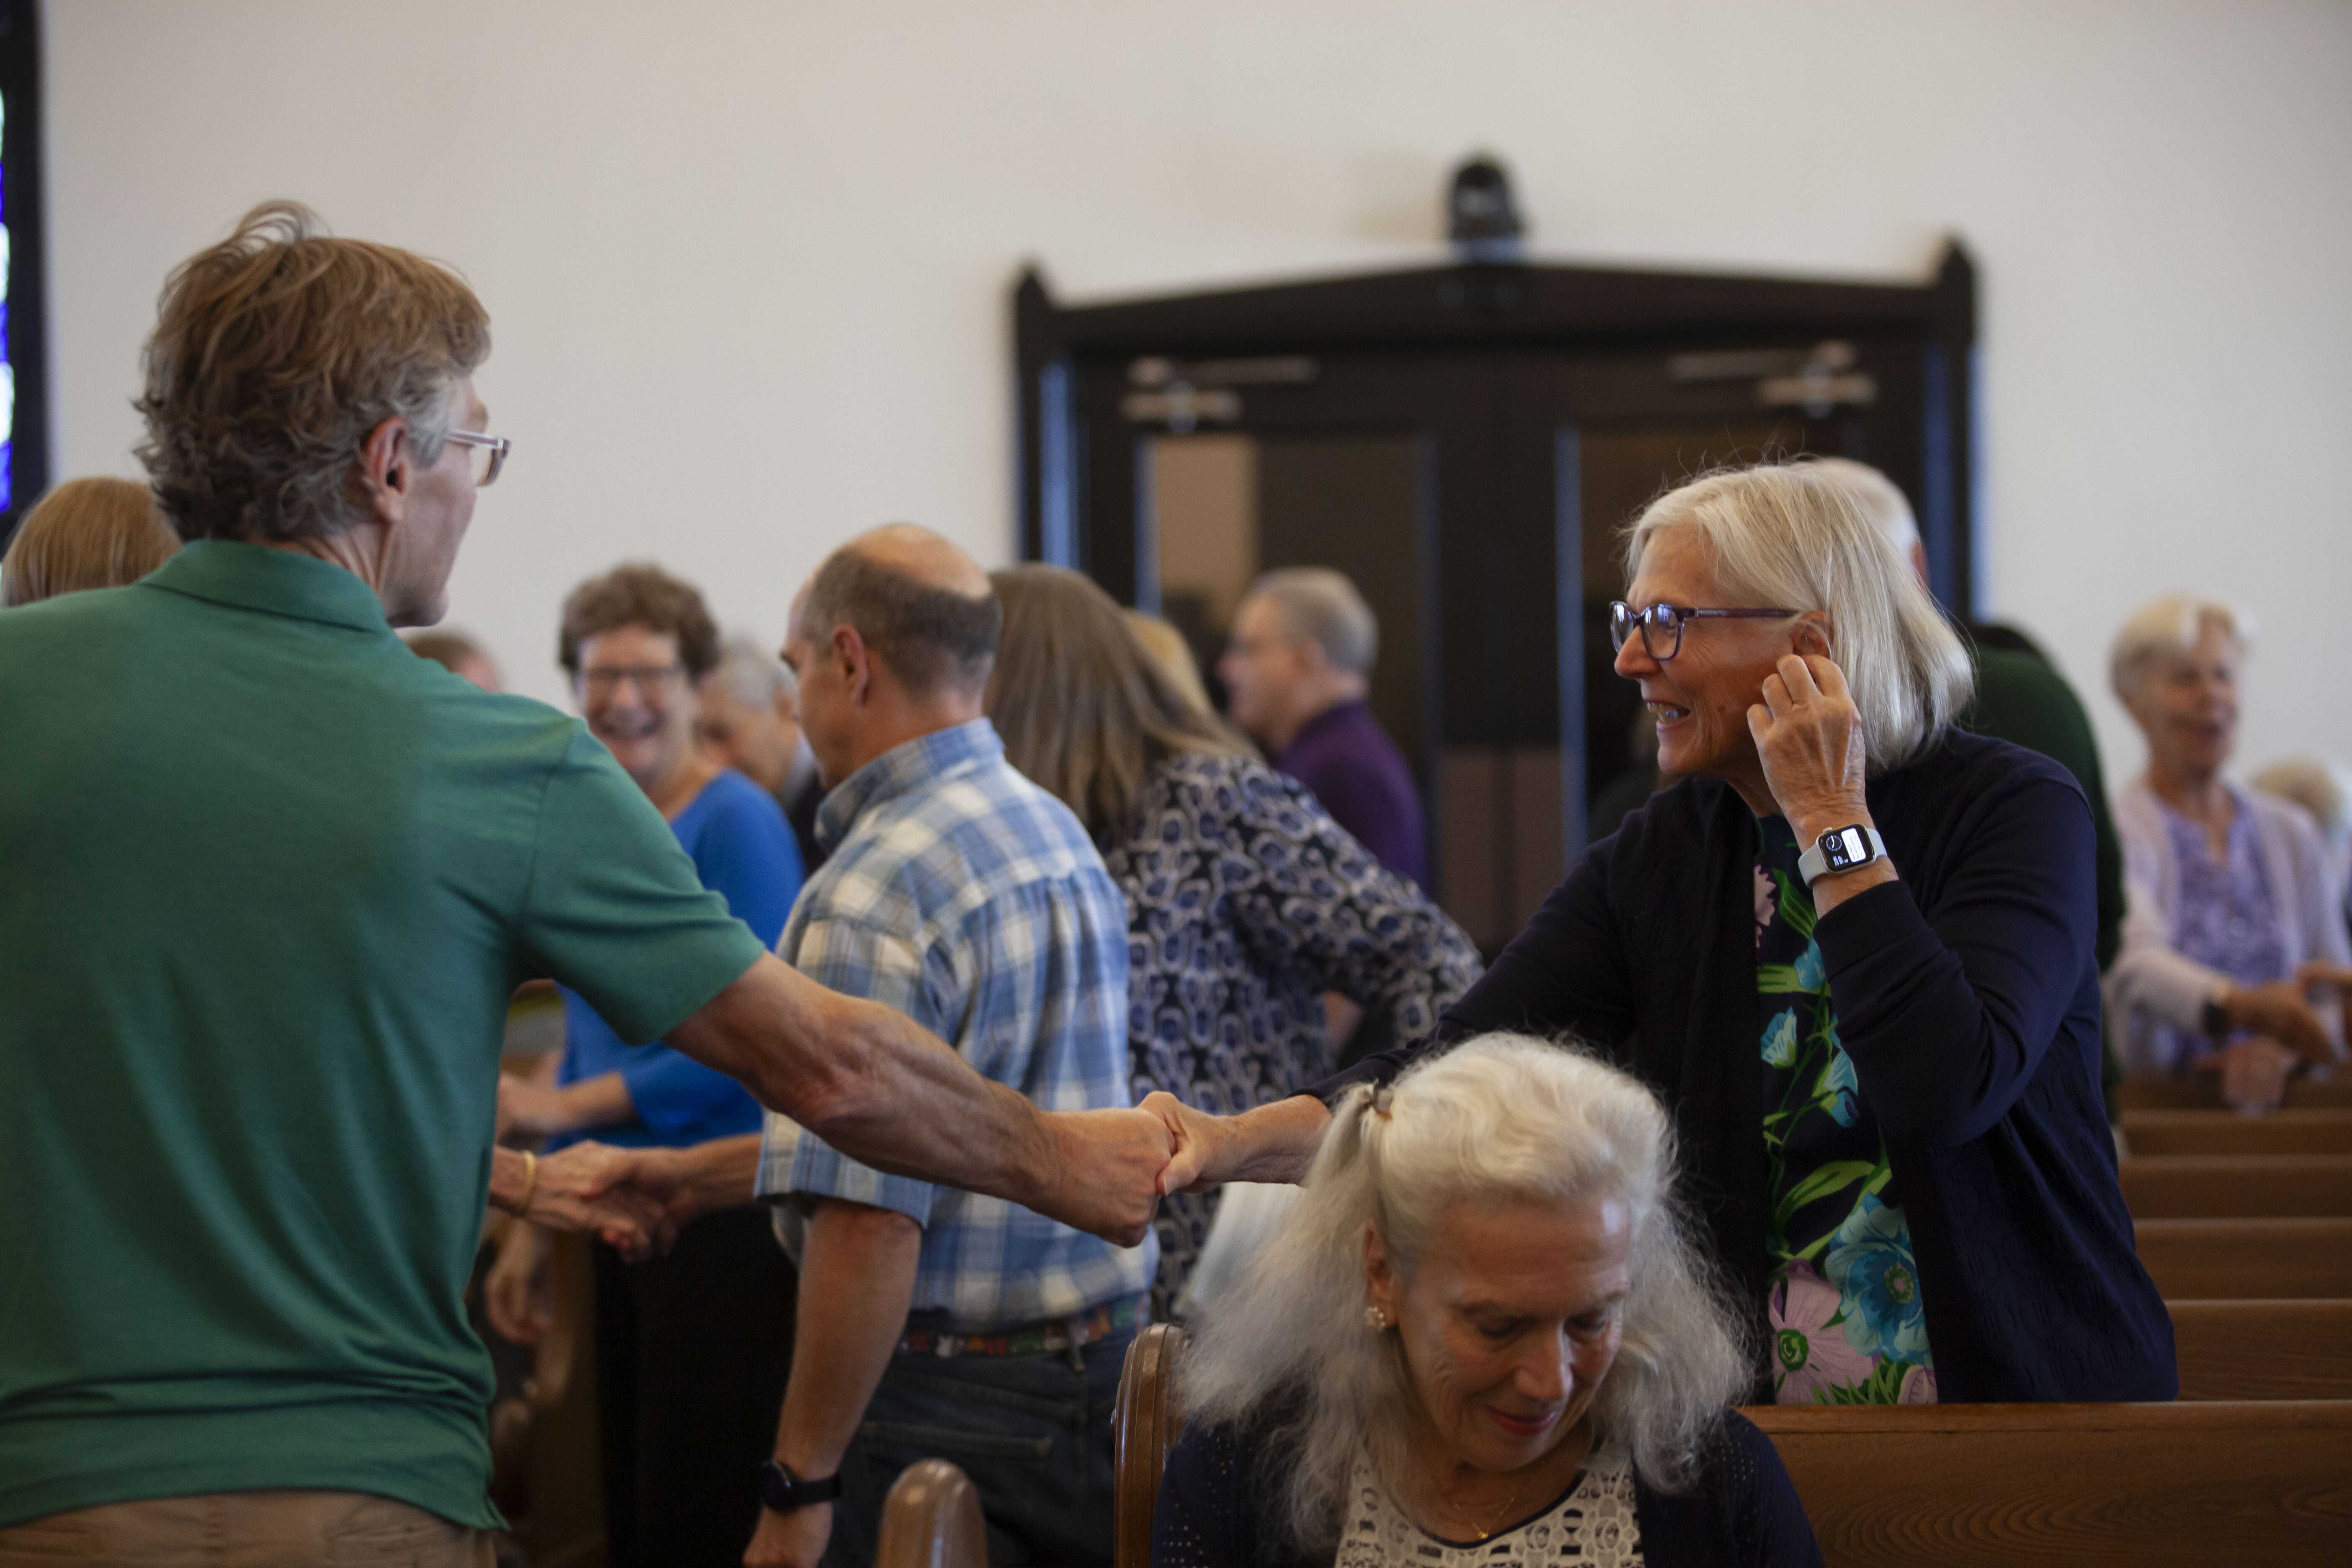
x=1245 y=901
x=1422 y=1369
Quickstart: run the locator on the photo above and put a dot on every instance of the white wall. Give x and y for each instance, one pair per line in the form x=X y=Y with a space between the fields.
x=737 y=253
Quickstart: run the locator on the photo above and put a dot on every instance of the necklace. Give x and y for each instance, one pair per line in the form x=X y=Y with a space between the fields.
x=1509 y=1507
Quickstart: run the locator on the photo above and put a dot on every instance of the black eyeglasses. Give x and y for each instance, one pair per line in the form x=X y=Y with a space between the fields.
x=1662 y=624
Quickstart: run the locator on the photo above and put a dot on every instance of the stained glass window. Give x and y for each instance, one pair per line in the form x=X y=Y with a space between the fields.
x=24 y=409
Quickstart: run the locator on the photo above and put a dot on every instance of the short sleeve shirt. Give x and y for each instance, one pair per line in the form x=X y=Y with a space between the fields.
x=266 y=881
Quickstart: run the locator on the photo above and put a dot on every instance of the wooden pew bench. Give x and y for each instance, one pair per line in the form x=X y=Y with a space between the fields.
x=2247 y=1259
x=2162 y=1132
x=2202 y=1091
x=2263 y=1350
x=2238 y=1187
x=2144 y=1484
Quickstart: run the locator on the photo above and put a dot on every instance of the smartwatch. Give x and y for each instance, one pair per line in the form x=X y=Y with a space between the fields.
x=2215 y=1017
x=781 y=1491
x=1841 y=849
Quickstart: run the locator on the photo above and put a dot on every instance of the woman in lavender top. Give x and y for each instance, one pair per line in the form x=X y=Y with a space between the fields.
x=1246 y=901
x=2235 y=946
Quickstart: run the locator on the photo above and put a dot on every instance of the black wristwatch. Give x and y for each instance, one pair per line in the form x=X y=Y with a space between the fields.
x=2216 y=1015
x=781 y=1491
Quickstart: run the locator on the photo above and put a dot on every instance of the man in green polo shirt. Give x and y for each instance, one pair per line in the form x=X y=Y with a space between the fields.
x=266 y=881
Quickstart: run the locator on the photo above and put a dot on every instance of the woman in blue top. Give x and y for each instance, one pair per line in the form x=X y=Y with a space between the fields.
x=692 y=1348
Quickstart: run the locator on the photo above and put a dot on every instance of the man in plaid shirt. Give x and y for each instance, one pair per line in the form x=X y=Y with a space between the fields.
x=935 y=1322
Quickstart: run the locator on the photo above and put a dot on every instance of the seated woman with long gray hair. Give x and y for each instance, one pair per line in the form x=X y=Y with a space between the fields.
x=1483 y=1338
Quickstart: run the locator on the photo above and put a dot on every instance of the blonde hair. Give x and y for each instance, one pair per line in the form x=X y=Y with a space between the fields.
x=1498 y=1119
x=1171 y=653
x=86 y=534
x=1802 y=537
x=276 y=353
x=2170 y=625
x=1084 y=710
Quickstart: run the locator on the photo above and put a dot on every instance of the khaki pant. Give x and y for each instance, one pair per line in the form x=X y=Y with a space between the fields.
x=284 y=1529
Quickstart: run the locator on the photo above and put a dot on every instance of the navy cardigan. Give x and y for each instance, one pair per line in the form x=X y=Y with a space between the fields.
x=1967 y=996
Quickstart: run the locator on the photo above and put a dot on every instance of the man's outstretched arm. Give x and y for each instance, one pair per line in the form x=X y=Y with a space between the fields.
x=888 y=1093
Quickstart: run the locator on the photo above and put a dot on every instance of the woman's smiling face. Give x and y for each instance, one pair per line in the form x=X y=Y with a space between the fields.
x=1700 y=697
x=1510 y=1323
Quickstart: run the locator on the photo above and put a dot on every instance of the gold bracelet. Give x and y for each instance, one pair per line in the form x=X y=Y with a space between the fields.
x=530 y=1185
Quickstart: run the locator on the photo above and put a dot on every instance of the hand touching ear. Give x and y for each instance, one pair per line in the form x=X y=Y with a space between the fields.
x=1809 y=736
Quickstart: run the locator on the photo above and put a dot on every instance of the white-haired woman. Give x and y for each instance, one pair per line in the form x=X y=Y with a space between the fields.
x=1853 y=947
x=2236 y=909
x=1481 y=1338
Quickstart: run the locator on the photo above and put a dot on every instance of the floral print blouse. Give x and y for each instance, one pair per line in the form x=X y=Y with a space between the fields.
x=1245 y=902
x=1845 y=1290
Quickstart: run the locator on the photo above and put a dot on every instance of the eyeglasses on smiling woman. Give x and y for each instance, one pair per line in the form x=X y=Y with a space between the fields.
x=1662 y=624
x=487 y=453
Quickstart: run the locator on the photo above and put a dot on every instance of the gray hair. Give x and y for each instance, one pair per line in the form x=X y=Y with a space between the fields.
x=1800 y=538
x=752 y=675
x=1882 y=499
x=2170 y=625
x=935 y=638
x=1499 y=1117
x=1320 y=605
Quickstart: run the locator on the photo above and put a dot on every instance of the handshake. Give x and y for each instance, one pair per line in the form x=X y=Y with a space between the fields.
x=1102 y=1171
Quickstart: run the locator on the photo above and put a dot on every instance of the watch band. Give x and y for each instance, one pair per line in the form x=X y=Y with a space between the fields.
x=1841 y=849
x=781 y=1491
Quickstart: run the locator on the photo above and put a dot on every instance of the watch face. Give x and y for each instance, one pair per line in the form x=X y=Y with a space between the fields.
x=1846 y=847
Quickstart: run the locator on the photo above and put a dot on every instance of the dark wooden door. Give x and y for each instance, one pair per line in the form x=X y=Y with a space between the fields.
x=1473 y=489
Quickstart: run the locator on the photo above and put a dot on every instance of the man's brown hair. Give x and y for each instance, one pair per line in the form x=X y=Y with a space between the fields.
x=640 y=594
x=86 y=534
x=274 y=353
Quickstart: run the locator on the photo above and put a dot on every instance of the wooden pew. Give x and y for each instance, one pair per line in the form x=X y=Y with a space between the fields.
x=2202 y=1091
x=2233 y=1186
x=2161 y=1133
x=2151 y=1484
x=2145 y=1484
x=931 y=1519
x=2263 y=1350
x=1145 y=1423
x=2244 y=1259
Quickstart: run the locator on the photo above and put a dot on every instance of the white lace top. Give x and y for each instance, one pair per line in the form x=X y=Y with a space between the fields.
x=1593 y=1527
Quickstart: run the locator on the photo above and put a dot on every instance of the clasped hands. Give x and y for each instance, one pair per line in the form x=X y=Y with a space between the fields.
x=1103 y=1172
x=2283 y=1030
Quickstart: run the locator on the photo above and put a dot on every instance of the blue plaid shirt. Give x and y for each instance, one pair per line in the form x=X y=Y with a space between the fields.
x=964 y=895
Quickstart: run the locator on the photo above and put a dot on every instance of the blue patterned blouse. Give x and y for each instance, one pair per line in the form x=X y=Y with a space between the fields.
x=1245 y=902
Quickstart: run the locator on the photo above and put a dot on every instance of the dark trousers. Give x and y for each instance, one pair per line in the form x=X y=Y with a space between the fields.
x=1032 y=1432
x=692 y=1354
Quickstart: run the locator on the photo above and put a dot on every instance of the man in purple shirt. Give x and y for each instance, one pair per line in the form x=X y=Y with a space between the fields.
x=1297 y=671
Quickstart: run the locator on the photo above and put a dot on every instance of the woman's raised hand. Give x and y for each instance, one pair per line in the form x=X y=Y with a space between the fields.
x=1809 y=737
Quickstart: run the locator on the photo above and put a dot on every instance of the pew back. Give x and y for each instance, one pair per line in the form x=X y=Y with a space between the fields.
x=2202 y=1091
x=1145 y=1423
x=931 y=1519
x=2229 y=1186
x=2263 y=1350
x=2247 y=1259
x=2146 y=1484
x=2227 y=1132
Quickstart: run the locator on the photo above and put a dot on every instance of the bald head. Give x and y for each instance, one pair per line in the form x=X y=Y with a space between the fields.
x=922 y=605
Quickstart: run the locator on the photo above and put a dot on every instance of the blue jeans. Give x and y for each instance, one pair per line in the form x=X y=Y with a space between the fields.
x=1032 y=1432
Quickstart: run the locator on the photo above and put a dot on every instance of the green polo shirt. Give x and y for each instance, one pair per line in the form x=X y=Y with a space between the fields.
x=266 y=881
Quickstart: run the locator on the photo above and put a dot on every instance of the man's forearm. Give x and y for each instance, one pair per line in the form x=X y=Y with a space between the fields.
x=870 y=1083
x=857 y=1275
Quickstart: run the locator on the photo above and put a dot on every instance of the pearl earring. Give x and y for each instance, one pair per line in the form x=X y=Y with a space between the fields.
x=1377 y=1319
